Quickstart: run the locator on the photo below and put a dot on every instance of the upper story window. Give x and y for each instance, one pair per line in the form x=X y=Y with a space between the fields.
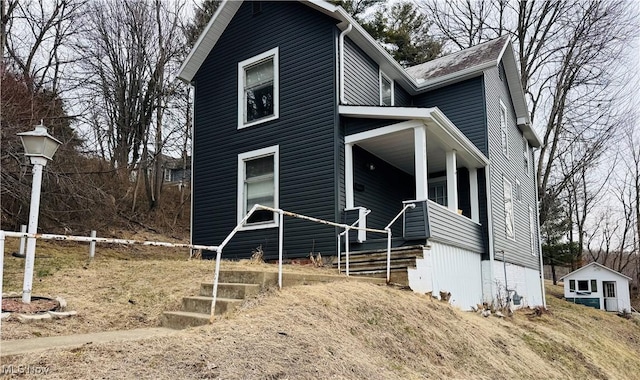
x=532 y=231
x=258 y=184
x=509 y=219
x=503 y=129
x=386 y=90
x=518 y=191
x=526 y=155
x=258 y=89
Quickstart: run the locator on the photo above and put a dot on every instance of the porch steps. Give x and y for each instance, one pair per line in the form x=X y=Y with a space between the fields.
x=234 y=287
x=373 y=263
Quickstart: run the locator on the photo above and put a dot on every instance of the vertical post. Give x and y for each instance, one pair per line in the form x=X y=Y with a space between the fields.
x=23 y=240
x=420 y=158
x=339 y=234
x=348 y=175
x=474 y=195
x=452 y=181
x=92 y=246
x=280 y=240
x=1 y=274
x=216 y=276
x=388 y=254
x=346 y=251
x=34 y=210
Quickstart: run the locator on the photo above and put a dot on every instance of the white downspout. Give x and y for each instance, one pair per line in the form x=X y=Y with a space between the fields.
x=344 y=33
x=535 y=183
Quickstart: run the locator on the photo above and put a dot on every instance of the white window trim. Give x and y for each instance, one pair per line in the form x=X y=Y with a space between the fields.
x=273 y=53
x=513 y=217
x=242 y=157
x=504 y=127
x=527 y=156
x=393 y=88
x=532 y=235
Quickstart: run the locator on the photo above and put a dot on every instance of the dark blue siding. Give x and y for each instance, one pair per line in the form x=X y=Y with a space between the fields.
x=305 y=131
x=463 y=103
x=361 y=76
x=402 y=98
x=382 y=190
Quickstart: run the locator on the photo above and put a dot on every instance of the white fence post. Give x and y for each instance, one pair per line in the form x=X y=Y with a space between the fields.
x=1 y=273
x=92 y=246
x=23 y=240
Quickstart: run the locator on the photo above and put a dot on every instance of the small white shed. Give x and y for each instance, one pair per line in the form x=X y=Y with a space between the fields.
x=598 y=286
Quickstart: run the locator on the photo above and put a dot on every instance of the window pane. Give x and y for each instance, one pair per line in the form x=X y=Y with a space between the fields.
x=583 y=285
x=385 y=92
x=260 y=73
x=594 y=286
x=572 y=285
x=259 y=187
x=259 y=90
x=259 y=167
x=508 y=209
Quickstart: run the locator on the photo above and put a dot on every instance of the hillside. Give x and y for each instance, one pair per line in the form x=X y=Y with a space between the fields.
x=339 y=330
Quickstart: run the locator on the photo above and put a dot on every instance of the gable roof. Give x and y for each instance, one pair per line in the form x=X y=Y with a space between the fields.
x=470 y=62
x=596 y=265
x=475 y=58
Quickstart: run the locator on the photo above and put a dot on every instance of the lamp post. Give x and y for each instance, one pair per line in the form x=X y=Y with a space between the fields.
x=40 y=147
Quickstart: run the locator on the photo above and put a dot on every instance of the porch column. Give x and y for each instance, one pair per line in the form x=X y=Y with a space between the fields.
x=348 y=175
x=420 y=157
x=473 y=192
x=452 y=182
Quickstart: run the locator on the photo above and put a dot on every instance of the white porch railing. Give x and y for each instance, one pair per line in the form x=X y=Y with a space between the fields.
x=388 y=231
x=218 y=249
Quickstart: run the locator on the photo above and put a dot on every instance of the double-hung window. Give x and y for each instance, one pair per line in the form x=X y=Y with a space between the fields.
x=508 y=209
x=258 y=184
x=438 y=192
x=386 y=90
x=258 y=89
x=504 y=136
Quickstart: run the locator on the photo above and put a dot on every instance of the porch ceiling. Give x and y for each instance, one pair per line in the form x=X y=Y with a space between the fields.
x=397 y=149
x=395 y=142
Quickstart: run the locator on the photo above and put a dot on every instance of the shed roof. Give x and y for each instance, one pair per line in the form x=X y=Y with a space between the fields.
x=596 y=265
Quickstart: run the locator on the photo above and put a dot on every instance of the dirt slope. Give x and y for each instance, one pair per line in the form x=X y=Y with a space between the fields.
x=330 y=331
x=360 y=331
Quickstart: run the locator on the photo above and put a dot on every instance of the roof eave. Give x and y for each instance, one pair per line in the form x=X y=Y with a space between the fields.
x=410 y=113
x=207 y=40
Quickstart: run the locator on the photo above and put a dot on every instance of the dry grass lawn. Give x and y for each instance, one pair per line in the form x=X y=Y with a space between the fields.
x=328 y=331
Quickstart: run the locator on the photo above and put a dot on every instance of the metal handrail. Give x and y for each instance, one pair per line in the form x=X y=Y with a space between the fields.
x=388 y=231
x=345 y=232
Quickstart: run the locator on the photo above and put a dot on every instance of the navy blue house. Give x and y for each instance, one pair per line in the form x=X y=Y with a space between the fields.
x=298 y=108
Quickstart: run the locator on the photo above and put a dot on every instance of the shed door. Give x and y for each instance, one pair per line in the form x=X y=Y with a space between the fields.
x=610 y=300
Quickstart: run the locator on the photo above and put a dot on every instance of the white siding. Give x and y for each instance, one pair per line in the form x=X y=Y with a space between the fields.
x=449 y=269
x=523 y=280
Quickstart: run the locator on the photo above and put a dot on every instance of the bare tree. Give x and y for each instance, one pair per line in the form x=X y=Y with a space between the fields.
x=38 y=35
x=131 y=47
x=570 y=54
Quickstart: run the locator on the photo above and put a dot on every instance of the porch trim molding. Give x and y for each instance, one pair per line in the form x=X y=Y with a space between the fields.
x=433 y=118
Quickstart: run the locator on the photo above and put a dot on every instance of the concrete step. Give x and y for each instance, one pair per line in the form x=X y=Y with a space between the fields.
x=182 y=319
x=200 y=304
x=264 y=279
x=230 y=290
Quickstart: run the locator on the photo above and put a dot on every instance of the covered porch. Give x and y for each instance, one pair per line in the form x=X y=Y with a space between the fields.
x=421 y=157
